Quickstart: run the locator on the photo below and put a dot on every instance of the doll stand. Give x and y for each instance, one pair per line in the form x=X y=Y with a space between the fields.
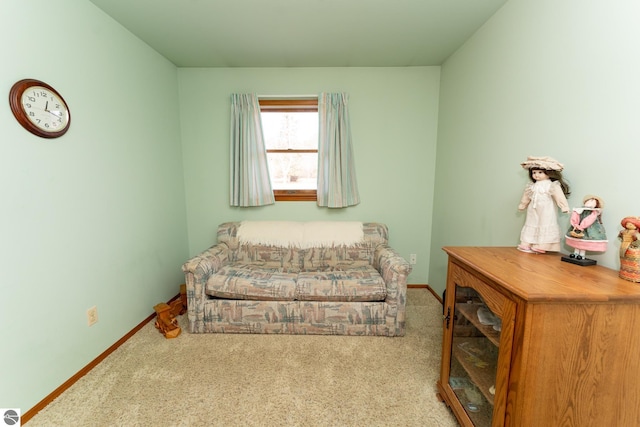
x=583 y=261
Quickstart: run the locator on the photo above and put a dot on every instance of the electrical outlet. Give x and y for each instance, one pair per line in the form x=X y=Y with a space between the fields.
x=92 y=316
x=413 y=259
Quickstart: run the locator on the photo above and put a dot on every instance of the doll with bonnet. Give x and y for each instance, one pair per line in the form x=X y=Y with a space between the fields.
x=586 y=232
x=542 y=197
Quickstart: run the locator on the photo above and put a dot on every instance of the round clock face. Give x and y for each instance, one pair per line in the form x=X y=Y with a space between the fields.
x=39 y=108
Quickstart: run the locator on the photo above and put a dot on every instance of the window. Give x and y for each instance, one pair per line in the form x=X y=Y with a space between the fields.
x=290 y=129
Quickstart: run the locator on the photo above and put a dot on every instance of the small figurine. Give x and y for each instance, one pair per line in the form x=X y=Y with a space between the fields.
x=166 y=322
x=546 y=190
x=586 y=232
x=630 y=249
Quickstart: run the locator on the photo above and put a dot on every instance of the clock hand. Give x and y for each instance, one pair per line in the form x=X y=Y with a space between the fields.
x=46 y=107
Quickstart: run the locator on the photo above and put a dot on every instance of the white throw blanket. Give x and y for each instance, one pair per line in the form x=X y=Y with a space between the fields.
x=301 y=234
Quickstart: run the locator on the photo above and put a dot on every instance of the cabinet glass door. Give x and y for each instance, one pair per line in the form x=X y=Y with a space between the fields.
x=474 y=355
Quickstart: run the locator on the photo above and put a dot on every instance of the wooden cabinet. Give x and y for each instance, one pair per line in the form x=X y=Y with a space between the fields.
x=530 y=340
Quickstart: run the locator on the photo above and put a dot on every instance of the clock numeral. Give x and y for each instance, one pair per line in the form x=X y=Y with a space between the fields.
x=31 y=98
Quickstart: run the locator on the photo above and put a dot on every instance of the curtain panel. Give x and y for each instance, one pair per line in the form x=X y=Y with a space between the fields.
x=337 y=184
x=250 y=182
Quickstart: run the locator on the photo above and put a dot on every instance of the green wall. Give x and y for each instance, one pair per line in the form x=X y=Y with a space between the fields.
x=99 y=216
x=542 y=77
x=96 y=217
x=393 y=121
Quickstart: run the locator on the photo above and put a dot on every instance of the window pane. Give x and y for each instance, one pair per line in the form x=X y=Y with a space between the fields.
x=296 y=131
x=290 y=171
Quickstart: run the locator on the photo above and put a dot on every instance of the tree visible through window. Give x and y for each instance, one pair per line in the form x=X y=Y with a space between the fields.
x=290 y=129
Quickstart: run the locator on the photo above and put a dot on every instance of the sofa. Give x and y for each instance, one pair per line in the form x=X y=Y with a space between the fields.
x=288 y=277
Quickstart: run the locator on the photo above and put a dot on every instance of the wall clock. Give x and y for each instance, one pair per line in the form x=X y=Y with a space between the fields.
x=39 y=108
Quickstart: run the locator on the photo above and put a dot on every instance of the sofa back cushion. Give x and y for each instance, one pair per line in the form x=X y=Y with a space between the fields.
x=287 y=259
x=309 y=246
x=321 y=258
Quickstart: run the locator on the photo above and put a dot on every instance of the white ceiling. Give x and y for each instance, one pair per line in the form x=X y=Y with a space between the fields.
x=302 y=33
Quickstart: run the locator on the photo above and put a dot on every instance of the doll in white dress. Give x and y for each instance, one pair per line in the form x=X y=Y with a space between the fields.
x=542 y=197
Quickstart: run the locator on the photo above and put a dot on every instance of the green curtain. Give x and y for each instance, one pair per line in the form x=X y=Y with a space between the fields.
x=250 y=182
x=337 y=184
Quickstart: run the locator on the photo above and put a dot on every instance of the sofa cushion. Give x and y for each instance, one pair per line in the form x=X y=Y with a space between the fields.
x=278 y=257
x=338 y=258
x=358 y=283
x=253 y=282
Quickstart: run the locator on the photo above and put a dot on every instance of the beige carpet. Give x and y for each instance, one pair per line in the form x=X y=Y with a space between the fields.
x=264 y=380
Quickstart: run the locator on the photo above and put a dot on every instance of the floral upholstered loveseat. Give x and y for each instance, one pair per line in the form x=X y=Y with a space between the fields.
x=338 y=278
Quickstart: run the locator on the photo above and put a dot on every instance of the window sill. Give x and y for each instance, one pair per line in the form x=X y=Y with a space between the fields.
x=295 y=195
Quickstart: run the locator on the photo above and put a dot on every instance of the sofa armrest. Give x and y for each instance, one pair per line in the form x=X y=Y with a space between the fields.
x=394 y=271
x=197 y=271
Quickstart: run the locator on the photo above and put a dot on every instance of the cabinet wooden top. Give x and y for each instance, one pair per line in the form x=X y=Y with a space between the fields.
x=544 y=277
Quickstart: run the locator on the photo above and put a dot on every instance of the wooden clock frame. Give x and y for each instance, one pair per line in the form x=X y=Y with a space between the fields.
x=15 y=97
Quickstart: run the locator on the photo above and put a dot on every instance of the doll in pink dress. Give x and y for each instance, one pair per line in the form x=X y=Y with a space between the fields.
x=542 y=197
x=586 y=232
